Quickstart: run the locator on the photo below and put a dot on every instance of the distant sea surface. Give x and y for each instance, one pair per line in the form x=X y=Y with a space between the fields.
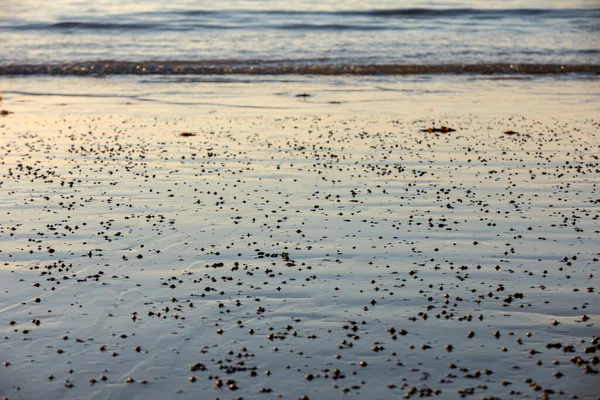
x=308 y=37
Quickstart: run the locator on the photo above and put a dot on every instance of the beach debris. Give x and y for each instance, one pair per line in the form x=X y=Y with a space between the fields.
x=5 y=113
x=197 y=367
x=441 y=129
x=187 y=134
x=229 y=287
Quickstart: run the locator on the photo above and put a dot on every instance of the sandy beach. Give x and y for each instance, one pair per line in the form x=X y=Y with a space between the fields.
x=299 y=239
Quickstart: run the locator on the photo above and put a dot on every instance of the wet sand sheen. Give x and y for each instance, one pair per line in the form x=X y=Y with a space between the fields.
x=298 y=257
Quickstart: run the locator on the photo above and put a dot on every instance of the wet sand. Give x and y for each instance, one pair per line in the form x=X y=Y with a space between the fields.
x=326 y=253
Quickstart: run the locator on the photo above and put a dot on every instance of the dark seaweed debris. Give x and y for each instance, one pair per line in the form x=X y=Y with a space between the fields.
x=341 y=258
x=441 y=129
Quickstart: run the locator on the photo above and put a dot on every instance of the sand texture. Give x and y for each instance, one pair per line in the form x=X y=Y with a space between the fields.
x=298 y=257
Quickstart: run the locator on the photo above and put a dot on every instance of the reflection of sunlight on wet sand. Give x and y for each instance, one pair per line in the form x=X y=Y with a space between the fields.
x=406 y=96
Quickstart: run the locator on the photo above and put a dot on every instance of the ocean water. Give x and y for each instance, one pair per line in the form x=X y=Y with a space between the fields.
x=308 y=37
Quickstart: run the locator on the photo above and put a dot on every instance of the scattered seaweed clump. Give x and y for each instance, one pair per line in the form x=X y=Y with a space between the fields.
x=441 y=129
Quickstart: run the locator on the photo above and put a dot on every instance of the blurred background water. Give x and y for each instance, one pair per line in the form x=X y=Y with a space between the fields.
x=285 y=34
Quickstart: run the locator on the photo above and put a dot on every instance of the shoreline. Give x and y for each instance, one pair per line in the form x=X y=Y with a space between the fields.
x=250 y=67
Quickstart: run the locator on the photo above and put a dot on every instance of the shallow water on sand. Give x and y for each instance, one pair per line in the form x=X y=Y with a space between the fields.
x=275 y=255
